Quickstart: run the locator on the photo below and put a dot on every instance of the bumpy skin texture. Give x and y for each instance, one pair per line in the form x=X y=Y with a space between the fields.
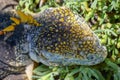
x=11 y=62
x=63 y=39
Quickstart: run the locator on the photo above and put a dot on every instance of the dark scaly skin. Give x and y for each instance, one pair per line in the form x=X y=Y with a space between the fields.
x=65 y=31
x=64 y=39
x=11 y=62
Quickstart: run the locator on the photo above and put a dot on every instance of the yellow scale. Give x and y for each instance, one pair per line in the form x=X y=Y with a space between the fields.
x=24 y=18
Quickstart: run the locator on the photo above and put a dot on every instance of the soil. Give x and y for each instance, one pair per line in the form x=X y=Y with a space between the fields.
x=6 y=5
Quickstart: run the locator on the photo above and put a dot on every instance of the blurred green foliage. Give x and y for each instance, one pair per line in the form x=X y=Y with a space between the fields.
x=28 y=6
x=104 y=71
x=104 y=17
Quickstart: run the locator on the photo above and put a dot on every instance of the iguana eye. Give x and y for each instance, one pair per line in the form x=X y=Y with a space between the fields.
x=90 y=57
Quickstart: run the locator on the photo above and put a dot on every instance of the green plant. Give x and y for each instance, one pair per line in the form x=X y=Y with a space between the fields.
x=108 y=71
x=28 y=6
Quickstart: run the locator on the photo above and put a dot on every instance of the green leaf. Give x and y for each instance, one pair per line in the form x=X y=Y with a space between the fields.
x=69 y=77
x=103 y=16
x=79 y=77
x=90 y=15
x=21 y=3
x=51 y=77
x=36 y=1
x=41 y=68
x=114 y=66
x=74 y=71
x=94 y=4
x=97 y=74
